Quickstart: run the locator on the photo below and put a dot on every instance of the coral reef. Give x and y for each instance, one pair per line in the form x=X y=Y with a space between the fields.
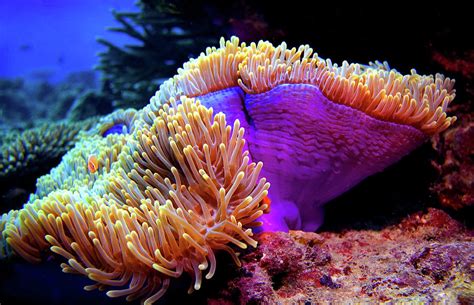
x=426 y=258
x=147 y=196
x=11 y=94
x=455 y=189
x=38 y=100
x=31 y=138
x=22 y=151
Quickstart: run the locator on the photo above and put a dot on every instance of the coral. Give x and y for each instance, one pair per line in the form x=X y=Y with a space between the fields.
x=165 y=196
x=23 y=152
x=455 y=188
x=320 y=128
x=32 y=140
x=39 y=100
x=459 y=63
x=426 y=258
x=11 y=94
x=34 y=152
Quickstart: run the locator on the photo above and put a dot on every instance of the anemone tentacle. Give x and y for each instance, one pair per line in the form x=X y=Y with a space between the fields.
x=164 y=199
x=417 y=100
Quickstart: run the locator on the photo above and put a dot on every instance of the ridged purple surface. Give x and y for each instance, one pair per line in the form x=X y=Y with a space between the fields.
x=312 y=148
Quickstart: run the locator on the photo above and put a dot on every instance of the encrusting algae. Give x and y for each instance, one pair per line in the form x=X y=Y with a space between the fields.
x=149 y=195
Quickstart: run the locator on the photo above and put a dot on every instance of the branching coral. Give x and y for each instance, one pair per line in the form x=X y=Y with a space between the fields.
x=166 y=196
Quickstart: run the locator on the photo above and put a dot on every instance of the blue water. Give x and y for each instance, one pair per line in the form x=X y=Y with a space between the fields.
x=48 y=39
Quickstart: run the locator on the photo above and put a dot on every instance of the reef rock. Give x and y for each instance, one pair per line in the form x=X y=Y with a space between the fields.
x=428 y=257
x=455 y=147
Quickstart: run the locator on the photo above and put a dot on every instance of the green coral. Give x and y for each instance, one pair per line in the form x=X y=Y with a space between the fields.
x=23 y=153
x=26 y=155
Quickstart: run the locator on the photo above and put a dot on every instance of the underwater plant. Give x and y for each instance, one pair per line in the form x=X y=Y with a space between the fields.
x=165 y=38
x=147 y=196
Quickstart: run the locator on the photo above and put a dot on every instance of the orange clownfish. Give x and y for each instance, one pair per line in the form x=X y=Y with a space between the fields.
x=92 y=164
x=266 y=200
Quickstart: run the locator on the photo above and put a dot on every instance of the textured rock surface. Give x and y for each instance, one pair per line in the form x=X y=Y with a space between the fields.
x=455 y=147
x=428 y=257
x=455 y=188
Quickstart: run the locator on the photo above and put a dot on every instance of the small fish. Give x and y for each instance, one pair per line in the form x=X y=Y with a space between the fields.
x=25 y=47
x=266 y=200
x=92 y=164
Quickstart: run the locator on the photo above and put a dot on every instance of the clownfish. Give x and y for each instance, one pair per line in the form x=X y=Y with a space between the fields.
x=92 y=164
x=266 y=200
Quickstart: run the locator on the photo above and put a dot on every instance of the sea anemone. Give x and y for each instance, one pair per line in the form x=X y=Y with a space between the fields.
x=162 y=201
x=319 y=128
x=120 y=121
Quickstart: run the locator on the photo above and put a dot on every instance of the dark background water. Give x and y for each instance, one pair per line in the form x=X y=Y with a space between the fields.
x=50 y=39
